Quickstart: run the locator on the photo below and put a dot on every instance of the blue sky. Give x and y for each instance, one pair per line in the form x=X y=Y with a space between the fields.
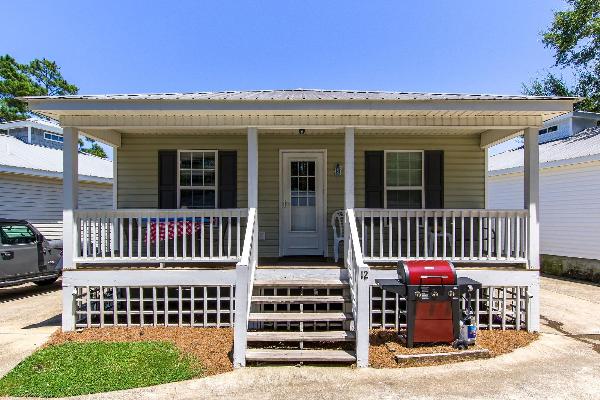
x=168 y=46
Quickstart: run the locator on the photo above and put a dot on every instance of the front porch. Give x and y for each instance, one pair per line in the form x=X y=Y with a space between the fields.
x=204 y=196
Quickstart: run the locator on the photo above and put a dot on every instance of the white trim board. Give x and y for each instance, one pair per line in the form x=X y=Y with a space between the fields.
x=150 y=277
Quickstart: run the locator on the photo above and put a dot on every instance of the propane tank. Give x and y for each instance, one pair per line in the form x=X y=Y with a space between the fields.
x=467 y=333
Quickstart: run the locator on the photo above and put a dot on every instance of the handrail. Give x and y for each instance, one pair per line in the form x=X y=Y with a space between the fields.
x=249 y=256
x=359 y=280
x=245 y=271
x=354 y=236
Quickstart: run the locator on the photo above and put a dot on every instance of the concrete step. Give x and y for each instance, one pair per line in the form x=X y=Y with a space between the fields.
x=299 y=317
x=298 y=283
x=279 y=355
x=287 y=336
x=299 y=299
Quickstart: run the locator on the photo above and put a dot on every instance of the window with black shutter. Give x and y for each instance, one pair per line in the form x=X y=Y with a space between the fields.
x=404 y=179
x=197 y=178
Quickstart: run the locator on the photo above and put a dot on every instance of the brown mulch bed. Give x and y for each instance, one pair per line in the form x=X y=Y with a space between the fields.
x=210 y=346
x=385 y=344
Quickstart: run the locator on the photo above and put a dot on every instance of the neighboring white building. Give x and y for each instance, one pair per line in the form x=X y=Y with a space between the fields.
x=566 y=125
x=31 y=176
x=569 y=191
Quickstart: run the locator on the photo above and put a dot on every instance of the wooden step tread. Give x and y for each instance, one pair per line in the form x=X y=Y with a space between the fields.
x=298 y=299
x=287 y=336
x=299 y=317
x=296 y=283
x=300 y=355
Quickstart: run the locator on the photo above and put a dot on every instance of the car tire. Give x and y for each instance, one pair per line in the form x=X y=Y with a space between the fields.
x=46 y=282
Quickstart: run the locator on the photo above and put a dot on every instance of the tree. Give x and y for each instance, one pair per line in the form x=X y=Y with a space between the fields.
x=38 y=78
x=575 y=38
x=94 y=149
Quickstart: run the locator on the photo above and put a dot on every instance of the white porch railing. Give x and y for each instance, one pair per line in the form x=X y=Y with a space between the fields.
x=358 y=277
x=458 y=235
x=130 y=235
x=245 y=270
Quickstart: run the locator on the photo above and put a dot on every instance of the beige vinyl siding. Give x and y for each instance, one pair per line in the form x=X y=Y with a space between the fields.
x=40 y=200
x=464 y=164
x=269 y=146
x=137 y=160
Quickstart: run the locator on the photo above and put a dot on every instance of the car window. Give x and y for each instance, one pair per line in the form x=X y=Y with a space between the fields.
x=16 y=234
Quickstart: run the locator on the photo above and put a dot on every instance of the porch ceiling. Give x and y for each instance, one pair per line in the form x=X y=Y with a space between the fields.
x=495 y=117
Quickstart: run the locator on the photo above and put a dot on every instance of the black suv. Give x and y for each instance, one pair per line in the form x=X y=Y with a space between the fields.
x=26 y=256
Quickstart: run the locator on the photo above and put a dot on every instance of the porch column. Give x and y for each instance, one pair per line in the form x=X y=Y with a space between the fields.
x=349 y=174
x=252 y=167
x=243 y=272
x=70 y=200
x=532 y=196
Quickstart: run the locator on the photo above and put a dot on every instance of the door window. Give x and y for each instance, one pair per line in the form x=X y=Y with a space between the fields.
x=303 y=196
x=16 y=234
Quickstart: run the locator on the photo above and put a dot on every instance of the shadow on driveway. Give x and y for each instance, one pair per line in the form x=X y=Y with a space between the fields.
x=54 y=321
x=27 y=291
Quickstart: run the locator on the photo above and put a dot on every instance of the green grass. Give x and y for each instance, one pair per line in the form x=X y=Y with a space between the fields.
x=72 y=369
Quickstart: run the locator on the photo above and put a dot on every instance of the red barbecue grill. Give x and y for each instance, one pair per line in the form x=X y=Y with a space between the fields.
x=432 y=291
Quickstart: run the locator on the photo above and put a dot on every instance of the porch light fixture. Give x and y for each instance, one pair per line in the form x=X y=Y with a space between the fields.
x=338 y=170
x=301 y=131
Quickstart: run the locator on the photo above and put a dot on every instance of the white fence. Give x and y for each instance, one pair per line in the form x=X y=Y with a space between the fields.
x=195 y=306
x=494 y=307
x=458 y=235
x=159 y=235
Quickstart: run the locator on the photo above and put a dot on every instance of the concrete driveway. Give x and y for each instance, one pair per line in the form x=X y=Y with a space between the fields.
x=564 y=363
x=28 y=316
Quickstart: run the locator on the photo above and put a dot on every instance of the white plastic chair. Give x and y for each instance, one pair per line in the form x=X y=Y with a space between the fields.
x=337 y=223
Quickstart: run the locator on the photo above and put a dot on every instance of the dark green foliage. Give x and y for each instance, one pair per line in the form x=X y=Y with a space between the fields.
x=73 y=369
x=575 y=38
x=38 y=78
x=94 y=148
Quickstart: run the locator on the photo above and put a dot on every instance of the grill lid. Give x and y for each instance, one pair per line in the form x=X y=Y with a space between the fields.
x=427 y=272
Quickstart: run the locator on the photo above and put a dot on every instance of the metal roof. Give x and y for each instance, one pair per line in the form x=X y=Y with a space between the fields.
x=580 y=145
x=300 y=95
x=20 y=157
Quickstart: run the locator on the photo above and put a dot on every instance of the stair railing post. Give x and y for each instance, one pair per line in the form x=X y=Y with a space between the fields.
x=241 y=316
x=362 y=316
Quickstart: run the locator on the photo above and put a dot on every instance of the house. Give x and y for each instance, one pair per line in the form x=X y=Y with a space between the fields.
x=224 y=203
x=31 y=175
x=568 y=124
x=569 y=193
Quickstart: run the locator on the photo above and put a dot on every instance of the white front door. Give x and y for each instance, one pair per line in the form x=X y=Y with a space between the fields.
x=302 y=229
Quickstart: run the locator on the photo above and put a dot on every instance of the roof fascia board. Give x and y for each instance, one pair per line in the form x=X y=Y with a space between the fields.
x=63 y=105
x=50 y=174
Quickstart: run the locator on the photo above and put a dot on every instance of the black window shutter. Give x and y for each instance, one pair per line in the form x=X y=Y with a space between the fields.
x=167 y=179
x=374 y=185
x=434 y=178
x=227 y=179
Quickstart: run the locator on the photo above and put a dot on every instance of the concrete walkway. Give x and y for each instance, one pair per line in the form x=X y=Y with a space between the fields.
x=28 y=316
x=564 y=363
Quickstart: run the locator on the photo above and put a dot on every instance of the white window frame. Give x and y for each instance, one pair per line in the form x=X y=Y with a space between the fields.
x=48 y=136
x=385 y=185
x=215 y=187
